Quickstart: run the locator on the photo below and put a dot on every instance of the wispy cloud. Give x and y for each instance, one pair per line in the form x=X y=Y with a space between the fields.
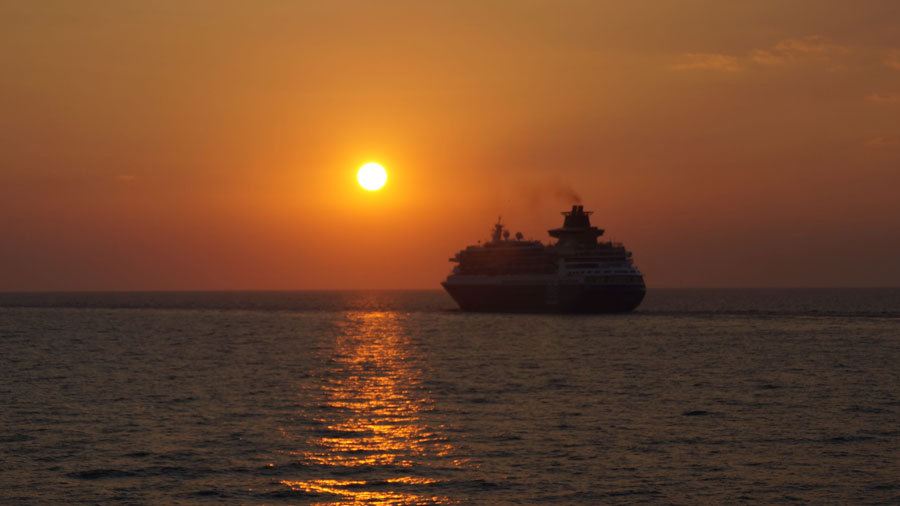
x=813 y=48
x=809 y=49
x=892 y=60
x=125 y=178
x=883 y=141
x=811 y=44
x=884 y=98
x=707 y=61
x=766 y=57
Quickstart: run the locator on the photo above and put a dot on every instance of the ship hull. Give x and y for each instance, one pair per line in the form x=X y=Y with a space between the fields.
x=544 y=297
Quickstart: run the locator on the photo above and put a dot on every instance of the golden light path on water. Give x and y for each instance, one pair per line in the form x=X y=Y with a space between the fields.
x=373 y=387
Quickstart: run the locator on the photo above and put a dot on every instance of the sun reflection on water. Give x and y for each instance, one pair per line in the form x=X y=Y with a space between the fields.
x=373 y=395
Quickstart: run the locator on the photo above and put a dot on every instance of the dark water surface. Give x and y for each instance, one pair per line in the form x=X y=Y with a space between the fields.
x=705 y=396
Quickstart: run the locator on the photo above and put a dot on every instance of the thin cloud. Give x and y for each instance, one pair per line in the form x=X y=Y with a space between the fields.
x=809 y=49
x=707 y=61
x=764 y=57
x=884 y=98
x=882 y=141
x=892 y=60
x=811 y=44
x=812 y=48
x=125 y=178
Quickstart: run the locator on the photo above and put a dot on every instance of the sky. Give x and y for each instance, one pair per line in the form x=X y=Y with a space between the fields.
x=212 y=145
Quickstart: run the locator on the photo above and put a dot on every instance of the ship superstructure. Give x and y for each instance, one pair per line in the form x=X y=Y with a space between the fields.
x=578 y=273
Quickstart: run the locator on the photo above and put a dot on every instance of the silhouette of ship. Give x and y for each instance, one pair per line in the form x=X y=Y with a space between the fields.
x=577 y=274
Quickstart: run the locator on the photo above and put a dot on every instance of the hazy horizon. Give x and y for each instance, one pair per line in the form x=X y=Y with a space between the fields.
x=437 y=289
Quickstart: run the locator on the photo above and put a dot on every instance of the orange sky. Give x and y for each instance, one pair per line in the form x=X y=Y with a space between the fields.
x=214 y=145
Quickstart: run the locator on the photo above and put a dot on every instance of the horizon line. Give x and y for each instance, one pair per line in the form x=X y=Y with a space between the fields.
x=297 y=290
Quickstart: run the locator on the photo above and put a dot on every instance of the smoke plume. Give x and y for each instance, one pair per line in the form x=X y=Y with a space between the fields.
x=567 y=194
x=535 y=194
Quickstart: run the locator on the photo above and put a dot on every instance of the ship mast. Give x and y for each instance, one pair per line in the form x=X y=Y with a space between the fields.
x=497 y=233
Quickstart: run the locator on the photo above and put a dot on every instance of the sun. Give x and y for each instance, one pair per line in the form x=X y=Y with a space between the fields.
x=371 y=176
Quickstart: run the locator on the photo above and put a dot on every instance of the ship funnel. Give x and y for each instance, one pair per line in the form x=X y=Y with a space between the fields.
x=577 y=218
x=576 y=229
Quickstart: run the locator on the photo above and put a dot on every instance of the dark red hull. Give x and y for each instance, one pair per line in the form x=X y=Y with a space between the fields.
x=542 y=298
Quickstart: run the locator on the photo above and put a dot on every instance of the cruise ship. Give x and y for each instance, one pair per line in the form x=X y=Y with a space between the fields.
x=577 y=274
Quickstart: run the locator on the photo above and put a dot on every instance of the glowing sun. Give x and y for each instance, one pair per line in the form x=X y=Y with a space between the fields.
x=371 y=176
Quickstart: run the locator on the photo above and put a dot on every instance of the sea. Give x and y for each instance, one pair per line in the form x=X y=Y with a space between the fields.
x=761 y=396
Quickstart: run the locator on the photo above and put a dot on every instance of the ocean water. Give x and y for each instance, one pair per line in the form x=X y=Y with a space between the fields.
x=394 y=398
